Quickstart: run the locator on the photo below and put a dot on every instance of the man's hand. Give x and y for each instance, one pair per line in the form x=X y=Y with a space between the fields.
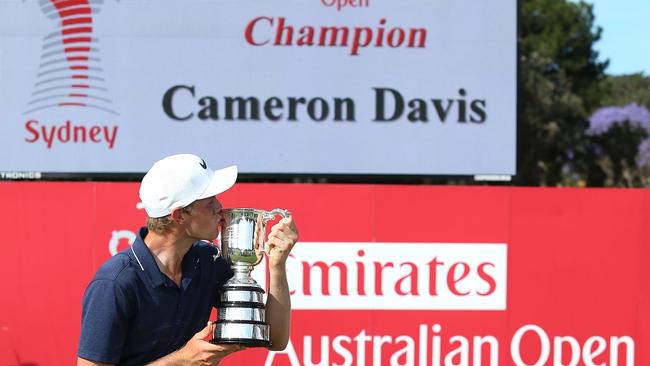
x=198 y=351
x=281 y=239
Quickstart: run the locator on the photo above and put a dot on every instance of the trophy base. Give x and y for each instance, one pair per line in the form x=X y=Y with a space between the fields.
x=242 y=294
x=249 y=343
x=249 y=334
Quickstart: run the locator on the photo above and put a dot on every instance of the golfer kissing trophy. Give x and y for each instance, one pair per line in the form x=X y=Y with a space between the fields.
x=240 y=318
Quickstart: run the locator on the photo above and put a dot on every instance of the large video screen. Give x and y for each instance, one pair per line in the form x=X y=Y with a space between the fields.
x=403 y=87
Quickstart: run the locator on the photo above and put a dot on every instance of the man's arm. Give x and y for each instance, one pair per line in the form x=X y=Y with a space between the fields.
x=198 y=351
x=278 y=309
x=104 y=315
x=282 y=238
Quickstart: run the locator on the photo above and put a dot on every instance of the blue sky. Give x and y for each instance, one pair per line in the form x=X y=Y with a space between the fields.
x=626 y=34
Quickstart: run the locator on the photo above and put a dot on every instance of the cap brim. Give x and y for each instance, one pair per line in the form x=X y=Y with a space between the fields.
x=222 y=180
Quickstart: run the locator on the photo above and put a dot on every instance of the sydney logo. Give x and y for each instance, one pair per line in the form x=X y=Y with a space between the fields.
x=70 y=71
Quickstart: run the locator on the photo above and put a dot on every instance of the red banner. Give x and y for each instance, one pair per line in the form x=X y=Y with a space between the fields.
x=382 y=275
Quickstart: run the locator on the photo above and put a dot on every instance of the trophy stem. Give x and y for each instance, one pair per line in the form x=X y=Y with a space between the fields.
x=242 y=270
x=242 y=275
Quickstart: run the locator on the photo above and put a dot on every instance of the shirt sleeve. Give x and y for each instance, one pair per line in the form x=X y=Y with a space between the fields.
x=104 y=322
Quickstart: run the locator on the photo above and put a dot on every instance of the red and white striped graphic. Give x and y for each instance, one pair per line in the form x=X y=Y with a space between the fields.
x=70 y=73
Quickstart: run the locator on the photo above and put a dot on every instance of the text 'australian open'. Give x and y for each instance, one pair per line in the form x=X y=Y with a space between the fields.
x=183 y=103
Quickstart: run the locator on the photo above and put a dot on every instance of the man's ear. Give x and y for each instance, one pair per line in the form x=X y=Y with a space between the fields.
x=177 y=215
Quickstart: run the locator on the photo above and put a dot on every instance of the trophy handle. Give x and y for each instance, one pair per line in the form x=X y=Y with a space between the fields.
x=275 y=212
x=270 y=215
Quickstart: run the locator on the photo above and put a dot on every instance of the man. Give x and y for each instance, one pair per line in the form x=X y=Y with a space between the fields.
x=150 y=303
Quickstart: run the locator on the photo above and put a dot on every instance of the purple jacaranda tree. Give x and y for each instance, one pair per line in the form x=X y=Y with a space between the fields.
x=622 y=135
x=605 y=117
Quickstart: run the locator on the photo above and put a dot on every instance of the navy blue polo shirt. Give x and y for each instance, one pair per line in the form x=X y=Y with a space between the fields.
x=133 y=314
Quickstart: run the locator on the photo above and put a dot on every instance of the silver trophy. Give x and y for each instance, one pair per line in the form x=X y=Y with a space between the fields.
x=240 y=318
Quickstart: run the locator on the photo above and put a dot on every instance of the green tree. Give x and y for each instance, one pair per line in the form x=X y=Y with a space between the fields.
x=561 y=83
x=626 y=89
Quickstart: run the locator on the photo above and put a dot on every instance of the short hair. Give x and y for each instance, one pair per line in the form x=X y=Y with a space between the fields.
x=161 y=225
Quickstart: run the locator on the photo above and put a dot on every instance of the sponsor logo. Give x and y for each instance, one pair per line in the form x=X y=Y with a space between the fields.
x=70 y=76
x=21 y=175
x=412 y=276
x=70 y=72
x=69 y=133
x=120 y=237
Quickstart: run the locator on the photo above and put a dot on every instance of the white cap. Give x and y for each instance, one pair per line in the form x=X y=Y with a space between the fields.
x=178 y=180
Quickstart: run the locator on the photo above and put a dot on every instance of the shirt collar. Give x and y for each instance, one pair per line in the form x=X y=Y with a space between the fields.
x=147 y=262
x=145 y=259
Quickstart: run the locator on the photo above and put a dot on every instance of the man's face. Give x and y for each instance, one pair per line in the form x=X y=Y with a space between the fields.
x=203 y=218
